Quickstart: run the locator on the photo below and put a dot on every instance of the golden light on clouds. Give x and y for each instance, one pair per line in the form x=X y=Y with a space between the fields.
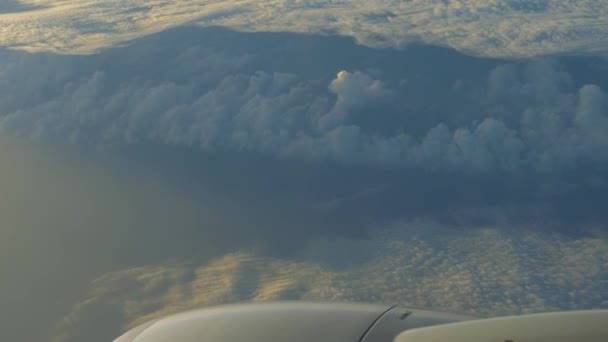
x=490 y=28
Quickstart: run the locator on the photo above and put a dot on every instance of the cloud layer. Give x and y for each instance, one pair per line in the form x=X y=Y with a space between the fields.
x=507 y=28
x=481 y=271
x=536 y=116
x=387 y=125
x=194 y=143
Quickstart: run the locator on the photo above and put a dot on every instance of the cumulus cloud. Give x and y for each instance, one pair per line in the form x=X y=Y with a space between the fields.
x=511 y=28
x=353 y=90
x=521 y=116
x=489 y=145
x=591 y=118
x=193 y=139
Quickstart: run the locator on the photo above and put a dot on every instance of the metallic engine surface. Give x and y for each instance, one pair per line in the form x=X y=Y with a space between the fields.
x=293 y=322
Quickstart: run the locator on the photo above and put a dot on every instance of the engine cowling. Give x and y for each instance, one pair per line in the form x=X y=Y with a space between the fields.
x=289 y=321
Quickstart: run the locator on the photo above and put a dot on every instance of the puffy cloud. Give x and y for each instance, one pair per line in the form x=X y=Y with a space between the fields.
x=353 y=90
x=591 y=118
x=491 y=145
x=507 y=28
x=195 y=138
x=532 y=115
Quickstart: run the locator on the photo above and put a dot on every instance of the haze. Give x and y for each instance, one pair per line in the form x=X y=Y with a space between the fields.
x=157 y=156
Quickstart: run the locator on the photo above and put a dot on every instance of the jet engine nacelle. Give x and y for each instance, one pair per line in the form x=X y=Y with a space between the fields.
x=331 y=322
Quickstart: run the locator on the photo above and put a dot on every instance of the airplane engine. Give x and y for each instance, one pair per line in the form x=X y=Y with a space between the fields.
x=332 y=322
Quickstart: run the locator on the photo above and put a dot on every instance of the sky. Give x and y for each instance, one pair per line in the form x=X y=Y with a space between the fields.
x=159 y=156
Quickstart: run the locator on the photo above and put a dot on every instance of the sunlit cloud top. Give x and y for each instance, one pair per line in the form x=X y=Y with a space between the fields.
x=499 y=28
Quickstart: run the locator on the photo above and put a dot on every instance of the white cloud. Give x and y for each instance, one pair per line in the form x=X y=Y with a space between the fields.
x=508 y=28
x=353 y=91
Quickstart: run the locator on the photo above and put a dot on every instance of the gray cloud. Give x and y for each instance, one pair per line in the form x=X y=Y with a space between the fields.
x=353 y=90
x=182 y=144
x=479 y=132
x=526 y=134
x=15 y=6
x=531 y=116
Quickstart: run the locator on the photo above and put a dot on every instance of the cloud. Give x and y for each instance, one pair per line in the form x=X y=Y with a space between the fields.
x=489 y=145
x=531 y=116
x=14 y=6
x=389 y=125
x=69 y=217
x=480 y=271
x=517 y=119
x=193 y=144
x=353 y=90
x=590 y=117
x=506 y=28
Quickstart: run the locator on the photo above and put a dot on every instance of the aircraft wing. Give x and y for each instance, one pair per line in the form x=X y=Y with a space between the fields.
x=575 y=326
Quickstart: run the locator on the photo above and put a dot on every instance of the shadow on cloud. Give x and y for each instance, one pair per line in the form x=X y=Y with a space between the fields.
x=194 y=143
x=396 y=123
x=16 y=6
x=487 y=272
